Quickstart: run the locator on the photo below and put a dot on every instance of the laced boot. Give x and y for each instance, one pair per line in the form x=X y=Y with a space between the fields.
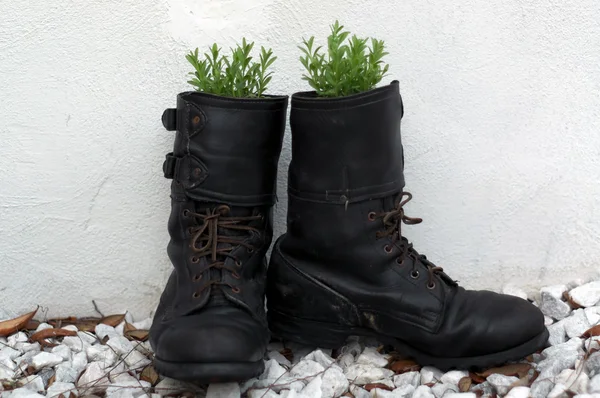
x=343 y=267
x=210 y=325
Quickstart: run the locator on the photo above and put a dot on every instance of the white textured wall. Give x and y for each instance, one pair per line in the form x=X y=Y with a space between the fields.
x=502 y=134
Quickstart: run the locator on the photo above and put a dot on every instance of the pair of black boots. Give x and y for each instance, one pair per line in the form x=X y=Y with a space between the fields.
x=343 y=267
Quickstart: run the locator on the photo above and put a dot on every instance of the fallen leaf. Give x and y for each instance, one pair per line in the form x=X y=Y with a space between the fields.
x=515 y=369
x=14 y=325
x=372 y=386
x=149 y=374
x=593 y=331
x=536 y=374
x=113 y=320
x=128 y=327
x=140 y=335
x=32 y=325
x=464 y=384
x=349 y=395
x=476 y=378
x=60 y=322
x=42 y=335
x=405 y=365
x=51 y=380
x=529 y=358
x=479 y=393
x=570 y=300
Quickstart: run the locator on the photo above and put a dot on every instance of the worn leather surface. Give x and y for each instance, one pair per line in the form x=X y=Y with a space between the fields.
x=225 y=153
x=331 y=266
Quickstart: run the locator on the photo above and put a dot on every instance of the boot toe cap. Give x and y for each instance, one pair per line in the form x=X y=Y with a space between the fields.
x=215 y=335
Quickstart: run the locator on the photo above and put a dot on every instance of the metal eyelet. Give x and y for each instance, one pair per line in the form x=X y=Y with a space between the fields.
x=235 y=275
x=190 y=230
x=186 y=212
x=195 y=260
x=372 y=216
x=235 y=289
x=250 y=250
x=400 y=261
x=196 y=119
x=414 y=274
x=387 y=248
x=196 y=295
x=196 y=278
x=431 y=286
x=238 y=263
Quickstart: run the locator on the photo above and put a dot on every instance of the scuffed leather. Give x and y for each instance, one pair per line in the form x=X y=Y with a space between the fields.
x=226 y=153
x=331 y=253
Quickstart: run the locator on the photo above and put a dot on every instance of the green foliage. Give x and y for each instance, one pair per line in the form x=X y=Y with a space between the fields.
x=232 y=76
x=350 y=67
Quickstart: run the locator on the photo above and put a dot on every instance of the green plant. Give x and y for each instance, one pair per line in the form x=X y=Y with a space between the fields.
x=351 y=66
x=231 y=76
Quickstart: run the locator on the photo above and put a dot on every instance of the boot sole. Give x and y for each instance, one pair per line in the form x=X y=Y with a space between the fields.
x=218 y=372
x=328 y=335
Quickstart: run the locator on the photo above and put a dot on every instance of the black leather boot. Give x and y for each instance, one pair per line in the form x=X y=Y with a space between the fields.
x=210 y=325
x=343 y=267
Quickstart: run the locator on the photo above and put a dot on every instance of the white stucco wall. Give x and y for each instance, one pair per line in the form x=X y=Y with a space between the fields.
x=501 y=133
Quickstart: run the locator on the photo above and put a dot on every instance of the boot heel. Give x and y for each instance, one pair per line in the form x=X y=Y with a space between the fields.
x=313 y=333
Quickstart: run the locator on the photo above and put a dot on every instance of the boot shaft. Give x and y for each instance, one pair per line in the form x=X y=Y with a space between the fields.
x=347 y=149
x=226 y=149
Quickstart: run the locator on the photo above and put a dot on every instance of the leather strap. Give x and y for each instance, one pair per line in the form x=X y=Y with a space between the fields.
x=169 y=119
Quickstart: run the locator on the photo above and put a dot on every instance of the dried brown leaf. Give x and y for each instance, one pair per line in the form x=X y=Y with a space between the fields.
x=405 y=365
x=570 y=300
x=113 y=320
x=140 y=335
x=514 y=369
x=536 y=374
x=32 y=325
x=464 y=384
x=51 y=333
x=60 y=322
x=149 y=374
x=128 y=327
x=372 y=386
x=593 y=331
x=476 y=378
x=14 y=325
x=288 y=354
x=51 y=380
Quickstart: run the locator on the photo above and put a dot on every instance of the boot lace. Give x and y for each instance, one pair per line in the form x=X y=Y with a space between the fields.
x=208 y=240
x=392 y=221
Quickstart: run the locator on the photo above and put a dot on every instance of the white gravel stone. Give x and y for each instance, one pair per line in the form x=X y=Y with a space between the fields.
x=593 y=364
x=101 y=353
x=334 y=383
x=423 y=392
x=401 y=392
x=103 y=330
x=120 y=345
x=9 y=352
x=321 y=358
x=541 y=388
x=362 y=374
x=557 y=332
x=556 y=291
x=576 y=324
x=262 y=393
x=29 y=347
x=453 y=376
x=408 y=378
x=33 y=383
x=359 y=392
x=66 y=373
x=460 y=395
x=62 y=351
x=45 y=359
x=429 y=374
x=572 y=380
x=93 y=380
x=7 y=363
x=306 y=368
x=79 y=361
x=6 y=374
x=518 y=392
x=43 y=326
x=586 y=295
x=313 y=389
x=223 y=390
x=58 y=388
x=136 y=359
x=501 y=383
x=16 y=338
x=554 y=307
x=370 y=356
x=144 y=324
x=24 y=393
x=548 y=321
x=277 y=356
x=514 y=290
x=594 y=384
x=440 y=389
x=168 y=386
x=345 y=360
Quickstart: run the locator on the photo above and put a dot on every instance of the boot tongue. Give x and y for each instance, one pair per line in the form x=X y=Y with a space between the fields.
x=217 y=298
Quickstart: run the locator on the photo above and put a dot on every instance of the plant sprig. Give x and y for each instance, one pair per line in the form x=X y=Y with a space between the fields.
x=350 y=67
x=235 y=75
